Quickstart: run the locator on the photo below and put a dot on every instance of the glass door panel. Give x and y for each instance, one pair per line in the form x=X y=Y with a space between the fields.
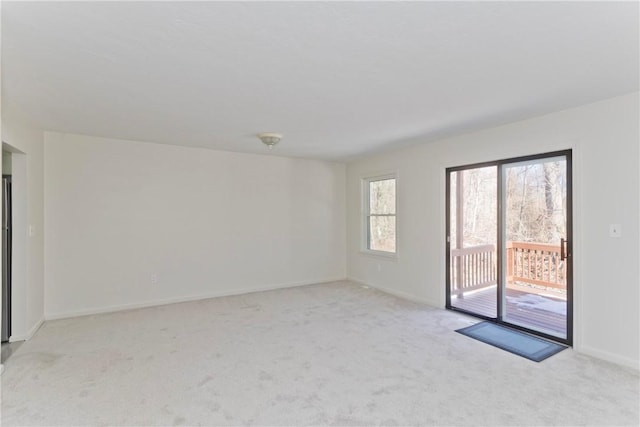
x=472 y=240
x=534 y=285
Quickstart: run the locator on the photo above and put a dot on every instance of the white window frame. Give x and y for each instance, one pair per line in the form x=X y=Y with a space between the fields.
x=366 y=181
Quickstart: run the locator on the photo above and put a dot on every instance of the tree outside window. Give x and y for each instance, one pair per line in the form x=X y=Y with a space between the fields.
x=381 y=214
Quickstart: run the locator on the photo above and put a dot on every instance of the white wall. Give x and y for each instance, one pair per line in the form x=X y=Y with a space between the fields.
x=204 y=222
x=26 y=142
x=605 y=139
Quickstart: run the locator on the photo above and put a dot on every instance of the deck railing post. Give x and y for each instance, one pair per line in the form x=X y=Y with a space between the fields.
x=510 y=260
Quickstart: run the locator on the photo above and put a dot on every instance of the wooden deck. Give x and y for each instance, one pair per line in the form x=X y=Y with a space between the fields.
x=538 y=312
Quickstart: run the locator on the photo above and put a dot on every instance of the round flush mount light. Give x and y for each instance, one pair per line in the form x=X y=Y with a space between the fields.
x=270 y=139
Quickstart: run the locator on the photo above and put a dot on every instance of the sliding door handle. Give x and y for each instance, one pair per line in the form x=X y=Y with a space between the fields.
x=563 y=253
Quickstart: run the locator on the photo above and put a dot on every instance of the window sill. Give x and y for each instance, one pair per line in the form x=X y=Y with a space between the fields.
x=392 y=256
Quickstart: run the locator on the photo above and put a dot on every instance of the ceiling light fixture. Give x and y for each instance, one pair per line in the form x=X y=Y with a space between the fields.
x=270 y=139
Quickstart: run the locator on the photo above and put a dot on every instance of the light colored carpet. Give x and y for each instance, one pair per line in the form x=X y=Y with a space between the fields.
x=328 y=354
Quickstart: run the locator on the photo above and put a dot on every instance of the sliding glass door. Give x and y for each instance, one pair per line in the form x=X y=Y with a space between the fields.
x=509 y=243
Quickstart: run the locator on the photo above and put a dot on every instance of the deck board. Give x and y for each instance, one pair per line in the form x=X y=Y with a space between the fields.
x=531 y=316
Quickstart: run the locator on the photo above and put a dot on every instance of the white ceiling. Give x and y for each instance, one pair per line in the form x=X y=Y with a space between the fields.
x=339 y=79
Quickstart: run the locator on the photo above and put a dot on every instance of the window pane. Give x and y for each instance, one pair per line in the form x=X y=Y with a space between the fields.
x=382 y=196
x=473 y=231
x=382 y=233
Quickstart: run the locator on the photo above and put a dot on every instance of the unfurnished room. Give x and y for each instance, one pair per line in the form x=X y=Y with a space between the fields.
x=320 y=213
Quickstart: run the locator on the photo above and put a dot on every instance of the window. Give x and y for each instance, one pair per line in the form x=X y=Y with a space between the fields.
x=380 y=213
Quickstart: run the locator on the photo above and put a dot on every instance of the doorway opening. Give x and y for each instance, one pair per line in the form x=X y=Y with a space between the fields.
x=14 y=271
x=509 y=251
x=6 y=257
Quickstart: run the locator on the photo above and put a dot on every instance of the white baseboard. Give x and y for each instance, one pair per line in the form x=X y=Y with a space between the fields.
x=174 y=300
x=586 y=350
x=609 y=357
x=397 y=293
x=29 y=334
